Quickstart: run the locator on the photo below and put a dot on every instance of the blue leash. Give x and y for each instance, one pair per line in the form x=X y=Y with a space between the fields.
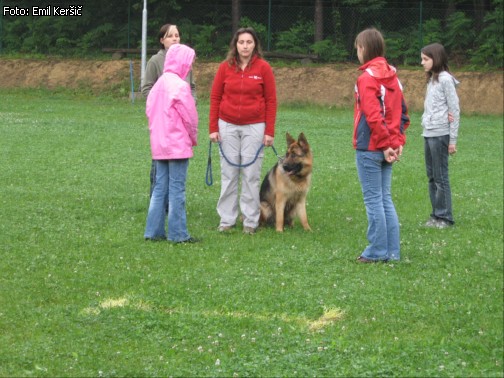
x=209 y=175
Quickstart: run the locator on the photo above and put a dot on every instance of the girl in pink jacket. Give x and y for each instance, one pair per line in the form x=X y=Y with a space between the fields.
x=173 y=126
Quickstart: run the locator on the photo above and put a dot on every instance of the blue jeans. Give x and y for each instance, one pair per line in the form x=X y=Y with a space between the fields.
x=436 y=163
x=152 y=177
x=375 y=176
x=169 y=191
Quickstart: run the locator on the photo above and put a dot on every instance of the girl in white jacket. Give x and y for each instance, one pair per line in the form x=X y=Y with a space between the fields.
x=440 y=122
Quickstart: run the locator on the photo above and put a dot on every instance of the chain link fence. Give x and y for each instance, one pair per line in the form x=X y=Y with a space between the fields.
x=291 y=29
x=287 y=29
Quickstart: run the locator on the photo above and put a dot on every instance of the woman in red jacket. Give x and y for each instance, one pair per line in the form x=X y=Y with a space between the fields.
x=242 y=118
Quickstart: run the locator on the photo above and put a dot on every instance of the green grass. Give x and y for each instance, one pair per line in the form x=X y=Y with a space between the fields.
x=82 y=294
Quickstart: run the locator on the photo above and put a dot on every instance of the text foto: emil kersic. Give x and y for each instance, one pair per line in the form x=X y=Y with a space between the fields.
x=49 y=10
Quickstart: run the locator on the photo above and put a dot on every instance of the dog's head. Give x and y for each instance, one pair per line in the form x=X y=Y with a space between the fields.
x=298 y=159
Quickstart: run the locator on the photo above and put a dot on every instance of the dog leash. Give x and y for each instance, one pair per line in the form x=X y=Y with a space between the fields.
x=209 y=174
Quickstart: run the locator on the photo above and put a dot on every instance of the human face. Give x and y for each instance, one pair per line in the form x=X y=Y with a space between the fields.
x=426 y=62
x=245 y=46
x=360 y=54
x=171 y=37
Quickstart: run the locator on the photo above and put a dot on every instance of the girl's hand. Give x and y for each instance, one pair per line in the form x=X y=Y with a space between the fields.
x=214 y=137
x=452 y=149
x=399 y=153
x=450 y=117
x=390 y=155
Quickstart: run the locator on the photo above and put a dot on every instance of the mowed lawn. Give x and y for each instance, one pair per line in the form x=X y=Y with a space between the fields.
x=82 y=293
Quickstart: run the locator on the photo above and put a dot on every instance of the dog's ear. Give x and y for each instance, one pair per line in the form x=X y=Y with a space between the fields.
x=290 y=139
x=303 y=142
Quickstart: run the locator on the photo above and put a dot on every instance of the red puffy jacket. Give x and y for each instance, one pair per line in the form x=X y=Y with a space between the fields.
x=380 y=114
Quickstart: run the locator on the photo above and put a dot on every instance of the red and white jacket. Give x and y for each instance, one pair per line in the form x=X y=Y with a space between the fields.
x=380 y=113
x=242 y=97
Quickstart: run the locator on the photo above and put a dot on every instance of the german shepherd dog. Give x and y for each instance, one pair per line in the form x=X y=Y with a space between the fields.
x=284 y=189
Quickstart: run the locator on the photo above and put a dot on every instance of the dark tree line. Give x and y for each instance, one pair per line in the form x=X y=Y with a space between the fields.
x=471 y=29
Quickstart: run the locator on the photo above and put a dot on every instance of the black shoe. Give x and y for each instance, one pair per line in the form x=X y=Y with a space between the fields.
x=156 y=239
x=190 y=240
x=364 y=260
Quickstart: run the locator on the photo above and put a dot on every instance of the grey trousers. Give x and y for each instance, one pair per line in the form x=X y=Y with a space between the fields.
x=240 y=144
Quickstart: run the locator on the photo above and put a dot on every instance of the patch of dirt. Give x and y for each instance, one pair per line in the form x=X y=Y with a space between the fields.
x=479 y=92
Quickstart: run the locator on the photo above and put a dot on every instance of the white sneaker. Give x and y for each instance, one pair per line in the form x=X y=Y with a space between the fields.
x=249 y=230
x=442 y=224
x=432 y=222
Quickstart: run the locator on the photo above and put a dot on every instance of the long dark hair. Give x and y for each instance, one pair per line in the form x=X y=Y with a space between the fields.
x=437 y=53
x=232 y=55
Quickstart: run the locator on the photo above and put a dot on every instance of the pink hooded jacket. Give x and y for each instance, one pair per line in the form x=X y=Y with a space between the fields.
x=170 y=108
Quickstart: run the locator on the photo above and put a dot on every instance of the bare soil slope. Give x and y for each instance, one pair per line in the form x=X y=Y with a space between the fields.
x=325 y=85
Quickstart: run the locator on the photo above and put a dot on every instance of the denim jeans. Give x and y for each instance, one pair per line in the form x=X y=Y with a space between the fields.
x=152 y=177
x=169 y=190
x=375 y=176
x=436 y=163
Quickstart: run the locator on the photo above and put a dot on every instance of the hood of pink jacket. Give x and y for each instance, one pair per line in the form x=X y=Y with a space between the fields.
x=179 y=59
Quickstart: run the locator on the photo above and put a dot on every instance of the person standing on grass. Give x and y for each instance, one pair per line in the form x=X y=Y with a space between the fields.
x=168 y=35
x=243 y=107
x=440 y=123
x=380 y=121
x=173 y=125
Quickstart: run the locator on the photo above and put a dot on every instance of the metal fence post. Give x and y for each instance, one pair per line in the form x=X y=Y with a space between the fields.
x=144 y=44
x=421 y=22
x=269 y=24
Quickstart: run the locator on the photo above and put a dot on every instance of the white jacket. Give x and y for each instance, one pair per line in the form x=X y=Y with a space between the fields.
x=441 y=99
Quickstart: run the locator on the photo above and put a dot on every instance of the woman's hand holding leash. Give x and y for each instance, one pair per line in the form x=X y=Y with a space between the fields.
x=215 y=137
x=268 y=140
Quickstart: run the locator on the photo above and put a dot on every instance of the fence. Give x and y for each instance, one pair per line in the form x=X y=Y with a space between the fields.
x=285 y=27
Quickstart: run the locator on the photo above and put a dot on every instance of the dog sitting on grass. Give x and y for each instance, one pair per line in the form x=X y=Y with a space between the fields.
x=284 y=189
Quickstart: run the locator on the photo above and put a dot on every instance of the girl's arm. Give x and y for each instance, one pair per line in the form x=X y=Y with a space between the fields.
x=452 y=101
x=186 y=108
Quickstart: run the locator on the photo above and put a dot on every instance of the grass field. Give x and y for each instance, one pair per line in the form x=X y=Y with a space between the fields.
x=82 y=294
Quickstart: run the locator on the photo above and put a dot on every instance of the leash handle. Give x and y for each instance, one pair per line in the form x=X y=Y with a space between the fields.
x=209 y=175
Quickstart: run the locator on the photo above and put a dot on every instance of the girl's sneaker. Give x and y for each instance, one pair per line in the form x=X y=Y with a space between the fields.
x=432 y=222
x=443 y=224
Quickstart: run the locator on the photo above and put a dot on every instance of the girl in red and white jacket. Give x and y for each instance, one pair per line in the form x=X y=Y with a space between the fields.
x=243 y=109
x=380 y=120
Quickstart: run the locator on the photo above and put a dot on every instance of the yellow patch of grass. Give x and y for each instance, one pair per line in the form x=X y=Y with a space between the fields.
x=328 y=318
x=112 y=303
